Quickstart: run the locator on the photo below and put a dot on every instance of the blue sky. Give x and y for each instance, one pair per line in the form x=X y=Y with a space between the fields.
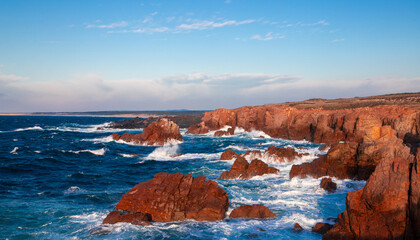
x=142 y=55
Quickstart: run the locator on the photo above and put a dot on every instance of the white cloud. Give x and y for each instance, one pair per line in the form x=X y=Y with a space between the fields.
x=109 y=26
x=338 y=40
x=193 y=91
x=201 y=25
x=268 y=36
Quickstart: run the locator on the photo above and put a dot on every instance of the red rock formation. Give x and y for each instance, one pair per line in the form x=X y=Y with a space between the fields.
x=328 y=184
x=244 y=170
x=297 y=227
x=281 y=154
x=252 y=211
x=133 y=218
x=352 y=160
x=387 y=207
x=321 y=228
x=175 y=197
x=316 y=125
x=229 y=155
x=157 y=133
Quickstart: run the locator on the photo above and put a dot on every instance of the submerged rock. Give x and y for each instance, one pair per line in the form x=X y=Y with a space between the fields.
x=244 y=170
x=252 y=211
x=174 y=197
x=328 y=185
x=157 y=133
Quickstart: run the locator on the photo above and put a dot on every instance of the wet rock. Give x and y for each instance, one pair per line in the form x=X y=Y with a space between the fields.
x=229 y=155
x=251 y=155
x=322 y=228
x=133 y=218
x=157 y=133
x=297 y=227
x=281 y=154
x=221 y=133
x=328 y=185
x=244 y=170
x=176 y=197
x=252 y=211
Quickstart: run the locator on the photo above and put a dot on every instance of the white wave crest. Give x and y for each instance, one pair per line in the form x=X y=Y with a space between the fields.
x=98 y=152
x=128 y=155
x=164 y=153
x=14 y=151
x=302 y=219
x=254 y=134
x=29 y=128
x=100 y=140
x=74 y=190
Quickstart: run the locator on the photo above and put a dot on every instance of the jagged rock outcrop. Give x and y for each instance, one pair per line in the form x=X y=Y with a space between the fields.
x=316 y=125
x=387 y=207
x=244 y=170
x=157 y=133
x=252 y=211
x=328 y=185
x=353 y=160
x=183 y=121
x=174 y=197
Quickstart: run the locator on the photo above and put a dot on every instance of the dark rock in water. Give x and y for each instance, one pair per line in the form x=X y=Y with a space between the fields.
x=183 y=121
x=221 y=133
x=229 y=155
x=176 y=197
x=322 y=228
x=251 y=155
x=297 y=227
x=100 y=128
x=133 y=218
x=252 y=211
x=244 y=170
x=328 y=185
x=157 y=133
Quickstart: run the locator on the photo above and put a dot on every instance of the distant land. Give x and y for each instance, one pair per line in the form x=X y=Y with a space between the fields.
x=328 y=104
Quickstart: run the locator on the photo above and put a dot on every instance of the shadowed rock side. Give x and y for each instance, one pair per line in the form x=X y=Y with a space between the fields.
x=273 y=154
x=244 y=170
x=387 y=207
x=133 y=218
x=316 y=125
x=353 y=160
x=157 y=133
x=252 y=211
x=183 y=121
x=173 y=197
x=328 y=185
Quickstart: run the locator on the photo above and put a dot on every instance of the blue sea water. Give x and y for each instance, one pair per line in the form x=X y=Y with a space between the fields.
x=59 y=177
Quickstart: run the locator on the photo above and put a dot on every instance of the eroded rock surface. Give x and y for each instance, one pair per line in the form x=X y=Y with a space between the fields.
x=174 y=197
x=244 y=170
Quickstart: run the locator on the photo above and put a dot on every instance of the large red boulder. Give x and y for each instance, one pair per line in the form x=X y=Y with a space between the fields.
x=244 y=170
x=321 y=228
x=252 y=211
x=387 y=207
x=175 y=197
x=157 y=133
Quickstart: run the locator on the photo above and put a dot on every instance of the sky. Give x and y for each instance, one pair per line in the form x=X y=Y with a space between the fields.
x=76 y=55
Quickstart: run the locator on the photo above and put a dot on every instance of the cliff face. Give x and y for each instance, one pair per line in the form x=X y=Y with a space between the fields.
x=317 y=125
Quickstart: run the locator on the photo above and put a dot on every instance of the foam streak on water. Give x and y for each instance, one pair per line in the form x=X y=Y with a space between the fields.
x=67 y=175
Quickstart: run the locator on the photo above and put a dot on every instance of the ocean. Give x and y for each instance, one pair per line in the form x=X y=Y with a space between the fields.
x=60 y=177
